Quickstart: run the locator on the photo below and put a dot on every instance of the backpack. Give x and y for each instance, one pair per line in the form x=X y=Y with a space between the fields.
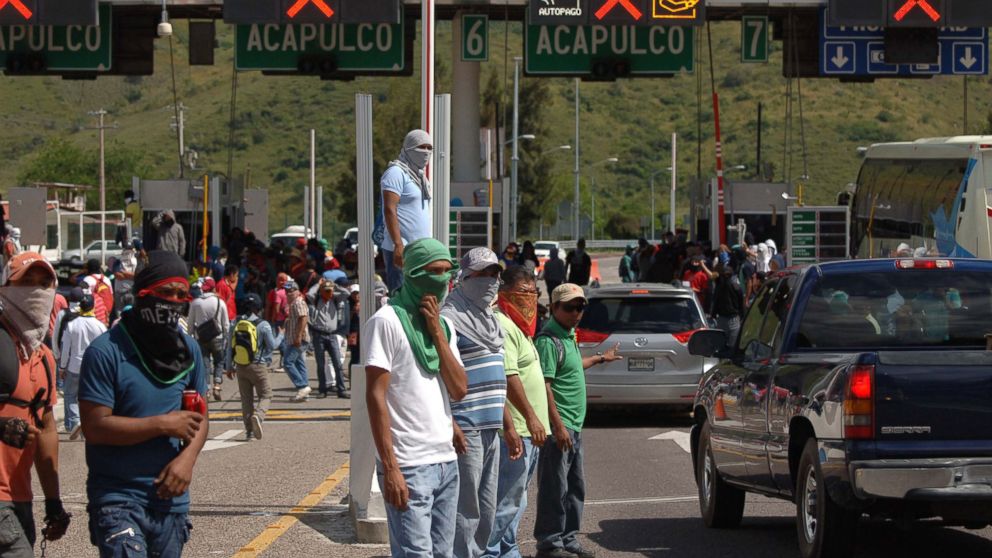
x=207 y=331
x=10 y=371
x=103 y=291
x=559 y=346
x=245 y=345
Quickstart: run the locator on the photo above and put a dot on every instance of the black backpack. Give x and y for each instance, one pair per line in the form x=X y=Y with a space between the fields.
x=10 y=370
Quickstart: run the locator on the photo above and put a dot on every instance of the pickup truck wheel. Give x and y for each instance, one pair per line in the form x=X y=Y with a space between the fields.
x=721 y=505
x=825 y=529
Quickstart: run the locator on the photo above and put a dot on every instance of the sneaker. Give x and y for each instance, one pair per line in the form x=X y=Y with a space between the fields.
x=344 y=395
x=256 y=427
x=217 y=393
x=249 y=437
x=582 y=553
x=76 y=431
x=554 y=553
x=322 y=395
x=302 y=395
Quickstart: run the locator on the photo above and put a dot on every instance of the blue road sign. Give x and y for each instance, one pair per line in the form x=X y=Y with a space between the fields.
x=860 y=51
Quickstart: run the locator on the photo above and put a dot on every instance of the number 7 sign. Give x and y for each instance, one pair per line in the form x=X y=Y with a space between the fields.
x=754 y=39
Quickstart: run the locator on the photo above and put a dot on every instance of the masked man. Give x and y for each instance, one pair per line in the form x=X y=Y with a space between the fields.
x=141 y=444
x=480 y=415
x=413 y=369
x=27 y=424
x=406 y=202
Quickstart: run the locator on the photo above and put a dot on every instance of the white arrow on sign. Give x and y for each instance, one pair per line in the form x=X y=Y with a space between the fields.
x=839 y=59
x=969 y=59
x=679 y=437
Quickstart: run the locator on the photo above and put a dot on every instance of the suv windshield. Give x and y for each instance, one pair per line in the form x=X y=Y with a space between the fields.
x=641 y=315
x=544 y=246
x=903 y=309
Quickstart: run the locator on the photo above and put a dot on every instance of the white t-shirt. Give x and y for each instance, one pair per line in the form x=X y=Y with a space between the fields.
x=419 y=411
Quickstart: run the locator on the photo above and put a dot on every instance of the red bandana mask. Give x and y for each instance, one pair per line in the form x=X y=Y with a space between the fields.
x=521 y=308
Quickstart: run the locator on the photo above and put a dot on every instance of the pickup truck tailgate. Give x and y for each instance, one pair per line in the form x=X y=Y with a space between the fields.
x=934 y=395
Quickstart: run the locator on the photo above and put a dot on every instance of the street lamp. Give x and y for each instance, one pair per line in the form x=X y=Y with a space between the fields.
x=553 y=149
x=593 y=192
x=515 y=160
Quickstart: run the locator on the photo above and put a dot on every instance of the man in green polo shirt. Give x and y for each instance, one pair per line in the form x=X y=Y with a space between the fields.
x=561 y=483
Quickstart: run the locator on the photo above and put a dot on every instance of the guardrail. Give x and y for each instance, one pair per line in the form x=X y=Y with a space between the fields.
x=602 y=244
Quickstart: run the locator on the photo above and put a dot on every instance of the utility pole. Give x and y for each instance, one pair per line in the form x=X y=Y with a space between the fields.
x=100 y=114
x=575 y=210
x=515 y=161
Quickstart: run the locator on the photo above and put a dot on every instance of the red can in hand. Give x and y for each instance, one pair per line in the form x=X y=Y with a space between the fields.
x=193 y=401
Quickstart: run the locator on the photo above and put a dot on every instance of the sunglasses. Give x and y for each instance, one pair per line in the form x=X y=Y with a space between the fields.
x=574 y=307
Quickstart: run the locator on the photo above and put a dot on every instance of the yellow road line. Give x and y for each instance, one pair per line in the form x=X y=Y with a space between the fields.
x=277 y=529
x=287 y=415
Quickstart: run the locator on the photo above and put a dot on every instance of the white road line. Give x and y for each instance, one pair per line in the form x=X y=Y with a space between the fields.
x=220 y=441
x=672 y=500
x=677 y=436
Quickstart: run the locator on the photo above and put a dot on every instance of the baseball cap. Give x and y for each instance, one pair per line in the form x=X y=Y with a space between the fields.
x=290 y=285
x=478 y=259
x=209 y=284
x=19 y=265
x=327 y=286
x=566 y=292
x=354 y=289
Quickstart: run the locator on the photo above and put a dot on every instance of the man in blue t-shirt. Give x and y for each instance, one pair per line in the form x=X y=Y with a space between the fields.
x=141 y=445
x=406 y=203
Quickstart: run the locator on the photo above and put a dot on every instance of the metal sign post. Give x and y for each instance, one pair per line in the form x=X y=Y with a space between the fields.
x=442 y=167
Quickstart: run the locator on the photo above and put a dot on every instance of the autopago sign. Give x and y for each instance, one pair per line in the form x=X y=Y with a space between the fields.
x=567 y=50
x=365 y=47
x=85 y=48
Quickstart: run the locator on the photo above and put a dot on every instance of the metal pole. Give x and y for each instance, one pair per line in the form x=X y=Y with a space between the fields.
x=592 y=196
x=757 y=166
x=427 y=72
x=442 y=169
x=313 y=184
x=515 y=161
x=671 y=211
x=103 y=194
x=182 y=138
x=489 y=194
x=206 y=214
x=652 y=206
x=575 y=210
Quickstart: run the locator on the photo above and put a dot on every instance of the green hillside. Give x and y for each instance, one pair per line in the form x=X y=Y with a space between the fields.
x=630 y=119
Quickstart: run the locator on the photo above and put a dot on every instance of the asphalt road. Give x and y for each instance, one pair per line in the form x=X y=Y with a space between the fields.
x=284 y=496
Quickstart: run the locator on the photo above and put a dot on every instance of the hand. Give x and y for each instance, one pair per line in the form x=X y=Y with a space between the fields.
x=612 y=354
x=174 y=480
x=562 y=437
x=398 y=256
x=514 y=445
x=297 y=343
x=17 y=433
x=56 y=520
x=62 y=374
x=537 y=433
x=458 y=440
x=182 y=424
x=431 y=311
x=394 y=490
x=230 y=374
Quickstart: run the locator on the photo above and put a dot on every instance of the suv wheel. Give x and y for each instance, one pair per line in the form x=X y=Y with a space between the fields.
x=825 y=529
x=721 y=505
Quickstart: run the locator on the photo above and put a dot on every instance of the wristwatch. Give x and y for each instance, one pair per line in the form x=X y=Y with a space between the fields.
x=602 y=357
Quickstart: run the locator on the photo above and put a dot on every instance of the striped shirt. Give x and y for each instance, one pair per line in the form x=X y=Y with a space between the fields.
x=297 y=309
x=482 y=407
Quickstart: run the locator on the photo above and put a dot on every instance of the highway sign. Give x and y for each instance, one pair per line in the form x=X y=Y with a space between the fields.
x=817 y=234
x=754 y=39
x=578 y=51
x=475 y=37
x=311 y=11
x=860 y=51
x=60 y=47
x=617 y=12
x=362 y=48
x=911 y=13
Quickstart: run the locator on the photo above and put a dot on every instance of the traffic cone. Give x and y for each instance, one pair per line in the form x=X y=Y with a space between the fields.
x=718 y=411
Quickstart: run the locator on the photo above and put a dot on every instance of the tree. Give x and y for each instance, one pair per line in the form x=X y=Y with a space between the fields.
x=533 y=182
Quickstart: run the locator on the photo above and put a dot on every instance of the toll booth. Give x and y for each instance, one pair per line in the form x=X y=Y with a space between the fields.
x=762 y=206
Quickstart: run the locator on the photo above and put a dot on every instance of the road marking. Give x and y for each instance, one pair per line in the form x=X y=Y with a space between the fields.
x=677 y=436
x=285 y=415
x=671 y=500
x=277 y=529
x=220 y=441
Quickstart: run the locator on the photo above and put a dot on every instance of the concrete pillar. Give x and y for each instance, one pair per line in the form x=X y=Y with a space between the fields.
x=465 y=142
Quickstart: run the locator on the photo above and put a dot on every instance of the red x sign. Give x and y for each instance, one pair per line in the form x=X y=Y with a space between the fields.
x=295 y=8
x=610 y=4
x=20 y=7
x=924 y=5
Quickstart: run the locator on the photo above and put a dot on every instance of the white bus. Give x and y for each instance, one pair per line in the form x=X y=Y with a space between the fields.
x=932 y=194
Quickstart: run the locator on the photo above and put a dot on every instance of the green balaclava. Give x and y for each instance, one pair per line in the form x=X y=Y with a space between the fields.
x=416 y=283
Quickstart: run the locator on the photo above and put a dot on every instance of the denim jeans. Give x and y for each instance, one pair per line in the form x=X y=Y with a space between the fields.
x=131 y=530
x=394 y=275
x=324 y=345
x=214 y=356
x=478 y=472
x=511 y=496
x=17 y=530
x=427 y=527
x=732 y=325
x=294 y=361
x=70 y=396
x=561 y=495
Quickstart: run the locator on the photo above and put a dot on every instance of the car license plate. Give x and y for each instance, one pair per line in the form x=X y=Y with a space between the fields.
x=640 y=365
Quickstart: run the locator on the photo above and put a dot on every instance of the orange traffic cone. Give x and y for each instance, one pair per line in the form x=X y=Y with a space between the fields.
x=718 y=411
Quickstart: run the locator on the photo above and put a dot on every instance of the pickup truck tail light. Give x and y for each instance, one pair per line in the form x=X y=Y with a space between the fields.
x=859 y=403
x=588 y=338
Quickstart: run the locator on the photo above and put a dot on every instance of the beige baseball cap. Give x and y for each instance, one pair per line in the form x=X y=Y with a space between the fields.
x=566 y=292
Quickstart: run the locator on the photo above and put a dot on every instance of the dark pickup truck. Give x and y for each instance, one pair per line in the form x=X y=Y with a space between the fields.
x=854 y=388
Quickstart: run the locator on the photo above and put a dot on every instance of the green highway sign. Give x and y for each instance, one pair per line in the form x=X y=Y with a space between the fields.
x=804 y=240
x=804 y=228
x=62 y=47
x=627 y=49
x=817 y=234
x=364 y=47
x=754 y=39
x=475 y=38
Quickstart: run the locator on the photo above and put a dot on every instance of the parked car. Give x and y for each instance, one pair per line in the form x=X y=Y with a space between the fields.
x=542 y=249
x=90 y=251
x=290 y=235
x=854 y=388
x=653 y=324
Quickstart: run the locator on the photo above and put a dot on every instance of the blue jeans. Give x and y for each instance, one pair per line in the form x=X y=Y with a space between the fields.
x=561 y=495
x=478 y=473
x=324 y=343
x=70 y=396
x=214 y=354
x=511 y=496
x=133 y=531
x=394 y=275
x=427 y=527
x=294 y=361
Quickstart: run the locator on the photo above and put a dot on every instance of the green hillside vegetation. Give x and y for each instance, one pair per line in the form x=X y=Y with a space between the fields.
x=47 y=135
